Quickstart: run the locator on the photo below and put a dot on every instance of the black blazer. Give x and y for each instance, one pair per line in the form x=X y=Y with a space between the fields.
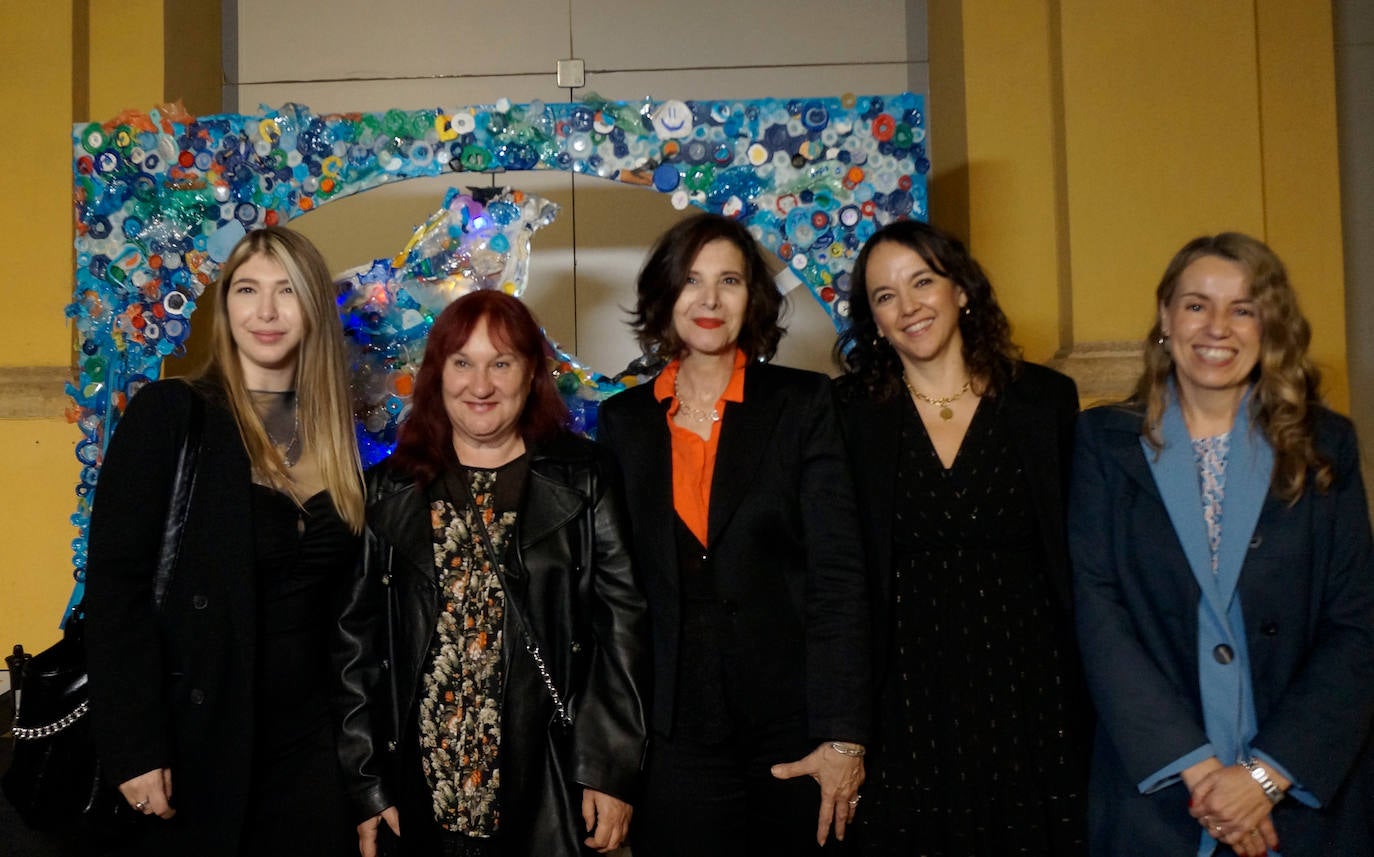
x=784 y=535
x=176 y=689
x=1307 y=591
x=568 y=571
x=1042 y=404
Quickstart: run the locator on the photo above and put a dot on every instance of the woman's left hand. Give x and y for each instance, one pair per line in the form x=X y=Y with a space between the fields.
x=839 y=777
x=1235 y=810
x=607 y=818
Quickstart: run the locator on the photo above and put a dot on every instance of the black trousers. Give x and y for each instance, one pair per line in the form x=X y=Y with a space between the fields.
x=720 y=799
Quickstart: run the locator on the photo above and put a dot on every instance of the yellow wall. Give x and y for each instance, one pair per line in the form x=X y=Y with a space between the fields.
x=37 y=469
x=1093 y=138
x=65 y=61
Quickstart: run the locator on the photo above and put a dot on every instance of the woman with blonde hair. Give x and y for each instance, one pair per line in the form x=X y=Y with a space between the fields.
x=211 y=699
x=1224 y=581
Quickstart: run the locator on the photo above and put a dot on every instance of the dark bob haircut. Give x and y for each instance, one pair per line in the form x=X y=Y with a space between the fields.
x=665 y=273
x=425 y=442
x=872 y=367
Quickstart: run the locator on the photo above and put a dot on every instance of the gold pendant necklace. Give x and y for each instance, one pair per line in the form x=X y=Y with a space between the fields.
x=946 y=412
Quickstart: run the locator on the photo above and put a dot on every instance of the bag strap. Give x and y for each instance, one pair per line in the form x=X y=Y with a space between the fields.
x=531 y=645
x=183 y=483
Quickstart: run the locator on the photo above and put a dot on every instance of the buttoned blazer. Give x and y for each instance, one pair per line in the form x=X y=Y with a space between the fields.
x=1040 y=405
x=1307 y=593
x=783 y=536
x=568 y=575
x=175 y=688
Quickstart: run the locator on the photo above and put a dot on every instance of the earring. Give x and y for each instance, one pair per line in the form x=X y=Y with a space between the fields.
x=1163 y=341
x=966 y=311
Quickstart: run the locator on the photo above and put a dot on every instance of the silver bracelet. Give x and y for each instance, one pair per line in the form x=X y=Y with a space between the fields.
x=845 y=748
x=1266 y=782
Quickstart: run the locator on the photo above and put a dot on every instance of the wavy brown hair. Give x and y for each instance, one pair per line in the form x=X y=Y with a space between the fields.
x=665 y=273
x=872 y=367
x=1286 y=381
x=322 y=401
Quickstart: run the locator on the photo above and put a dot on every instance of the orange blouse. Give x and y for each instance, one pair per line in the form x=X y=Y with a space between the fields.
x=694 y=459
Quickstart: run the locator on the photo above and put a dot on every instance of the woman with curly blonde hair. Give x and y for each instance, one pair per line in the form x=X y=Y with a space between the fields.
x=1225 y=581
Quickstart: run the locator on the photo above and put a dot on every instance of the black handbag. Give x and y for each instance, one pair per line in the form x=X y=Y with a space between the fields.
x=55 y=780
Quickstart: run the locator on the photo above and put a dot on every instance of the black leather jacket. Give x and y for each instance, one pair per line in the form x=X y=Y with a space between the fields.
x=576 y=590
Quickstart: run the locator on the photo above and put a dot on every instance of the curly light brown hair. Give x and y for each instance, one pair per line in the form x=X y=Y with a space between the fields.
x=1286 y=381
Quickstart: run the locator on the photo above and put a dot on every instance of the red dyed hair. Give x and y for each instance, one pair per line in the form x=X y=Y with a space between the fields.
x=424 y=443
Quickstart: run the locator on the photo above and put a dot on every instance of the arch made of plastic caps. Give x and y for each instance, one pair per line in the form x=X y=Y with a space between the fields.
x=161 y=197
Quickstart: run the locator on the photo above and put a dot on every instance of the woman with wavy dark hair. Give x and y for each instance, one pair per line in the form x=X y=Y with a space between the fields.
x=1225 y=581
x=960 y=452
x=746 y=543
x=495 y=651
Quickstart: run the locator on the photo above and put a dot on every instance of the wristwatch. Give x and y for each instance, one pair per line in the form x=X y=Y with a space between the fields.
x=1266 y=782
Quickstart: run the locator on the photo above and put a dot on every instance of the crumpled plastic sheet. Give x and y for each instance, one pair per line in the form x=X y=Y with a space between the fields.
x=160 y=198
x=479 y=239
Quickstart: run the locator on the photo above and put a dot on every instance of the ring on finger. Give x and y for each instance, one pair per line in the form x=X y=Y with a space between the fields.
x=142 y=806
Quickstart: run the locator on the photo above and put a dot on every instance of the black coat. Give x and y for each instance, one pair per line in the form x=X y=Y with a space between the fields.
x=1042 y=405
x=577 y=591
x=784 y=536
x=175 y=690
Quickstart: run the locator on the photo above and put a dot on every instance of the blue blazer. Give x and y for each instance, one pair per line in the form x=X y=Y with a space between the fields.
x=1306 y=588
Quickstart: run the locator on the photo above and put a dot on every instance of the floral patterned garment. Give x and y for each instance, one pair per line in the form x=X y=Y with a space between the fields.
x=460 y=704
x=1210 y=454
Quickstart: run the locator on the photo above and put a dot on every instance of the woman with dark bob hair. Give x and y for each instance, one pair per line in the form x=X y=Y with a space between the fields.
x=746 y=542
x=496 y=651
x=1225 y=581
x=960 y=453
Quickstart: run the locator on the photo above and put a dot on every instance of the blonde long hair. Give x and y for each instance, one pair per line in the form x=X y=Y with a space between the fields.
x=323 y=406
x=1286 y=381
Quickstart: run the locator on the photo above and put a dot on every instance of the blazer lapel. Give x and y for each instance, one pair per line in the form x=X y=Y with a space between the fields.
x=1249 y=468
x=547 y=506
x=746 y=429
x=1175 y=474
x=404 y=520
x=1034 y=432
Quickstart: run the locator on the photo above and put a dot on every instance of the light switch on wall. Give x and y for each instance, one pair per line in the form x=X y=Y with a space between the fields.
x=571 y=73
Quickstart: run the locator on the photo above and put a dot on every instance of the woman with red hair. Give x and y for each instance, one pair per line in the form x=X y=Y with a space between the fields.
x=495 y=650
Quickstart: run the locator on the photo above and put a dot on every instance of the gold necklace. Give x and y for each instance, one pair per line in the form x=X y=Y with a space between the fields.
x=946 y=412
x=690 y=411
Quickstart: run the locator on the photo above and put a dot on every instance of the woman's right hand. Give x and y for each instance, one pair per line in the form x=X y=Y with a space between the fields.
x=150 y=793
x=367 y=831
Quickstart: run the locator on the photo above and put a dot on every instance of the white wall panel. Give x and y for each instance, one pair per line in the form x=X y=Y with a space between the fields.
x=704 y=34
x=284 y=40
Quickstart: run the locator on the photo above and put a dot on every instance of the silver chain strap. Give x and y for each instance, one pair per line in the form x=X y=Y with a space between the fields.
x=558 y=708
x=32 y=733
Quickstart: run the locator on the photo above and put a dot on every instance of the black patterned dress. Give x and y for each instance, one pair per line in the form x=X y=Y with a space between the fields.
x=461 y=692
x=975 y=751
